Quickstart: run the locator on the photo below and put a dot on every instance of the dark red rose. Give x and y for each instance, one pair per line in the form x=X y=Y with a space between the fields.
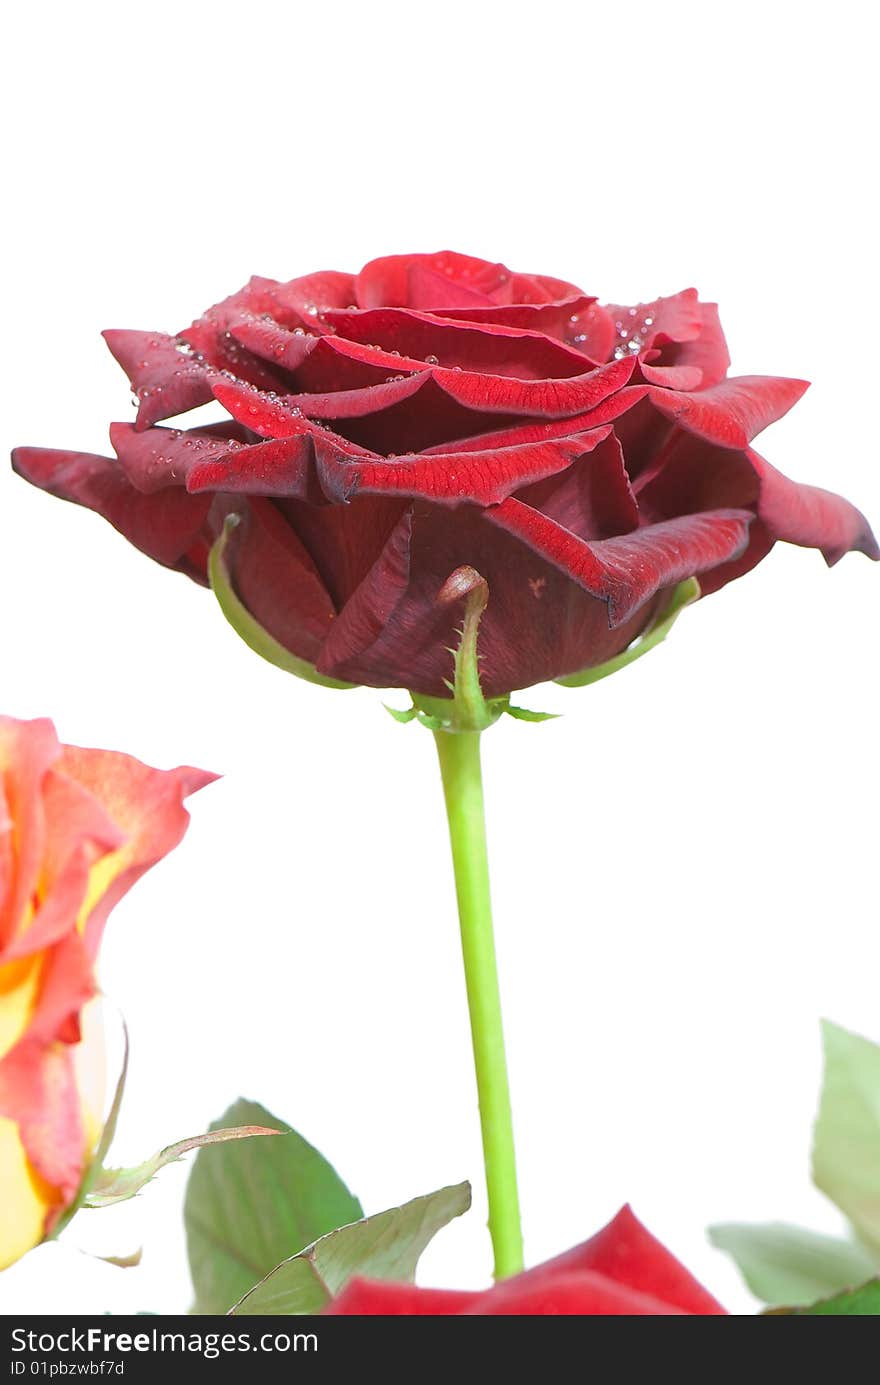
x=436 y=411
x=622 y=1272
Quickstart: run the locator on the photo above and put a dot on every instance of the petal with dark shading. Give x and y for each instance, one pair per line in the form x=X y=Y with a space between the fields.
x=531 y=431
x=213 y=334
x=165 y=375
x=690 y=474
x=272 y=417
x=279 y=466
x=578 y=321
x=548 y=398
x=358 y=403
x=164 y=525
x=554 y=318
x=489 y=348
x=627 y=570
x=366 y=613
x=560 y=628
x=455 y=478
x=276 y=579
x=344 y=541
x=809 y=516
x=733 y=412
x=593 y=499
x=282 y=348
x=161 y=457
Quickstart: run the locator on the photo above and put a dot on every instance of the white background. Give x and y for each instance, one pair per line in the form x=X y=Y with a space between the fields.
x=684 y=864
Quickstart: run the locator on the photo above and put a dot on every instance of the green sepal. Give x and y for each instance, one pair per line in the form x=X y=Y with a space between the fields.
x=246 y=627
x=683 y=595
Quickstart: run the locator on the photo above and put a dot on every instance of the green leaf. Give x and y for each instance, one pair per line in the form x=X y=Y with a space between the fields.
x=250 y=1205
x=118 y=1185
x=789 y=1264
x=846 y=1139
x=387 y=1246
x=243 y=623
x=862 y=1303
x=682 y=595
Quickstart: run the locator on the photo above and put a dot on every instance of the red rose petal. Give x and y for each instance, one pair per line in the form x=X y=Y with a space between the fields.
x=455 y=478
x=539 y=288
x=412 y=280
x=279 y=466
x=672 y=377
x=278 y=582
x=357 y=403
x=365 y=615
x=578 y=321
x=274 y=417
x=733 y=412
x=377 y=1298
x=427 y=289
x=593 y=499
x=302 y=301
x=707 y=352
x=809 y=516
x=677 y=318
x=627 y=570
x=282 y=348
x=164 y=374
x=488 y=348
x=560 y=628
x=161 y=457
x=607 y=411
x=626 y=1253
x=164 y=525
x=567 y=1295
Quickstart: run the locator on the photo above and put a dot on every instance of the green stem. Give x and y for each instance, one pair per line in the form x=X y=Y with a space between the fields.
x=459 y=754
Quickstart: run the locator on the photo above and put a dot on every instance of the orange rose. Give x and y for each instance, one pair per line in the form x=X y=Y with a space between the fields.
x=77 y=829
